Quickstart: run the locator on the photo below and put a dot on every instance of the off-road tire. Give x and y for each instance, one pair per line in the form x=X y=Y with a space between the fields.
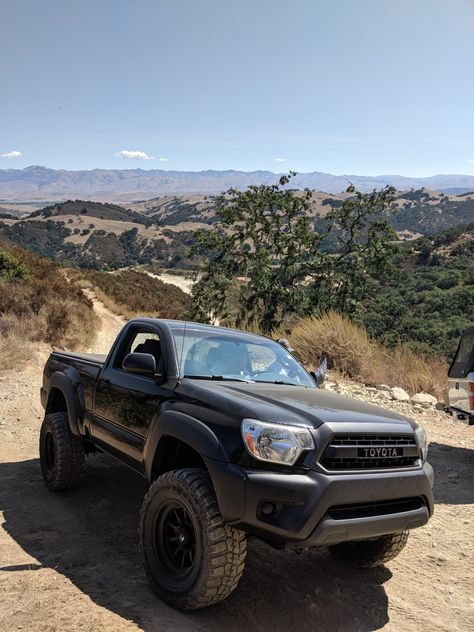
x=61 y=453
x=220 y=550
x=371 y=553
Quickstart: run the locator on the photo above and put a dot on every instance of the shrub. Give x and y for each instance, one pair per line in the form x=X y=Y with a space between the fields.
x=352 y=353
x=11 y=268
x=345 y=344
x=38 y=303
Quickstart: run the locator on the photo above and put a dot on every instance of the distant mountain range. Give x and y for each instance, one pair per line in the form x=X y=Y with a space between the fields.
x=126 y=185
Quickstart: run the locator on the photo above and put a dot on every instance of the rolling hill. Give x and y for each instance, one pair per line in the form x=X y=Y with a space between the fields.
x=160 y=231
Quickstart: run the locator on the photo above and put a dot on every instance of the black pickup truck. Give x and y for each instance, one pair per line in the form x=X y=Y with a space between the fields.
x=236 y=439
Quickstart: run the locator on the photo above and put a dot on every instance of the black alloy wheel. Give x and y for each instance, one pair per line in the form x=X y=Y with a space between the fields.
x=175 y=539
x=192 y=559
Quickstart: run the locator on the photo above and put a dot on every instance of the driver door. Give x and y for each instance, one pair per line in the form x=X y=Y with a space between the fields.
x=125 y=403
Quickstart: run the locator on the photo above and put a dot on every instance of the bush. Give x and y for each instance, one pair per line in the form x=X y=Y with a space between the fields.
x=38 y=303
x=11 y=268
x=352 y=353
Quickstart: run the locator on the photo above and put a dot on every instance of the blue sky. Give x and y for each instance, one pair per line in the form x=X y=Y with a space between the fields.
x=344 y=86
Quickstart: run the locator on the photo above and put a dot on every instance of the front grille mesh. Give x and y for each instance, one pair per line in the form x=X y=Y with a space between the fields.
x=364 y=452
x=376 y=508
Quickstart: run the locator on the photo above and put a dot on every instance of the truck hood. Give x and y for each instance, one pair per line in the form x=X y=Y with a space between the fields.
x=287 y=404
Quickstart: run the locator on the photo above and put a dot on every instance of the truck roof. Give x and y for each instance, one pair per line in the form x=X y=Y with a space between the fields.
x=191 y=325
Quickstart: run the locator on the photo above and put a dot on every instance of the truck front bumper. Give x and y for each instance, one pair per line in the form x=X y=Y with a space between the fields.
x=318 y=509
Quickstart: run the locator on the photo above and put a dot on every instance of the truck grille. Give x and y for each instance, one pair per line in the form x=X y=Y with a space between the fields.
x=377 y=508
x=370 y=452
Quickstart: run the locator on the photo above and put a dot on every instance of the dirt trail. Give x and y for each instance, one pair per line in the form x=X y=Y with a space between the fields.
x=110 y=324
x=69 y=561
x=175 y=279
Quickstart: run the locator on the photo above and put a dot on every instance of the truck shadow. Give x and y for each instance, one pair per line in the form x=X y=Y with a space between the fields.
x=90 y=536
x=454 y=474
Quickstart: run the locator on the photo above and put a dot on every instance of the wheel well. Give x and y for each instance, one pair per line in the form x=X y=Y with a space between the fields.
x=56 y=402
x=173 y=454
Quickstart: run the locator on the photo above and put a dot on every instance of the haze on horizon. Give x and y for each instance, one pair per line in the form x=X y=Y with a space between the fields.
x=368 y=88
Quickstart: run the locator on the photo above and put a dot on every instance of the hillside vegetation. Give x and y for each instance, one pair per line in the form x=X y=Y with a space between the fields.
x=37 y=303
x=430 y=300
x=352 y=353
x=130 y=293
x=102 y=210
x=160 y=231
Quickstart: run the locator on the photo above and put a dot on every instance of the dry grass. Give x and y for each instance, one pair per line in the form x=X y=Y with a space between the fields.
x=352 y=353
x=45 y=307
x=13 y=350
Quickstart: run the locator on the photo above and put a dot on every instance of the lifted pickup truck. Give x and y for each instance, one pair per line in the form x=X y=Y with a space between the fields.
x=236 y=440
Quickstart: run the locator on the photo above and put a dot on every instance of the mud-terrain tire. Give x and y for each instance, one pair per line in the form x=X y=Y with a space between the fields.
x=61 y=453
x=371 y=553
x=191 y=558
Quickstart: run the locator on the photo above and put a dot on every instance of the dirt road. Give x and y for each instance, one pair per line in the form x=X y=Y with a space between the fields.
x=182 y=282
x=69 y=562
x=110 y=325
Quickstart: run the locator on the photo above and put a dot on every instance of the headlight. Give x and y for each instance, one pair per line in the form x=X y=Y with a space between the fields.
x=275 y=443
x=422 y=441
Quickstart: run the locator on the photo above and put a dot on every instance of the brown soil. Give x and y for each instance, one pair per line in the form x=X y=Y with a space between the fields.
x=69 y=561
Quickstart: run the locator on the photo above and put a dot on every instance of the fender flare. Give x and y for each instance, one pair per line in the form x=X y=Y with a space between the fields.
x=188 y=430
x=68 y=382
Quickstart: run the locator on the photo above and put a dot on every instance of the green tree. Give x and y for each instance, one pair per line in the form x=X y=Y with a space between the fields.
x=265 y=255
x=263 y=237
x=365 y=248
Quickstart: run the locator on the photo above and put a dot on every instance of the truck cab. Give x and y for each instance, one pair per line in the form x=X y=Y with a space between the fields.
x=461 y=379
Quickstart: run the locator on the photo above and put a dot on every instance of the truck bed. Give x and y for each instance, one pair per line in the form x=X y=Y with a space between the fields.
x=93 y=358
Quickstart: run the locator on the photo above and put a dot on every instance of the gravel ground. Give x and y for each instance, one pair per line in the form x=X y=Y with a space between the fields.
x=69 y=561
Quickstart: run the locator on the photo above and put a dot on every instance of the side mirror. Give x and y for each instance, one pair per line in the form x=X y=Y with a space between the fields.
x=139 y=363
x=320 y=374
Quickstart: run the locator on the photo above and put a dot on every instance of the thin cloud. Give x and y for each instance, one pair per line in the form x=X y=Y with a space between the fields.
x=133 y=155
x=471 y=162
x=163 y=159
x=12 y=154
x=280 y=159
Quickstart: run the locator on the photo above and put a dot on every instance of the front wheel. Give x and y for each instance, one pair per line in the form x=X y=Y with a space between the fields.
x=370 y=553
x=192 y=559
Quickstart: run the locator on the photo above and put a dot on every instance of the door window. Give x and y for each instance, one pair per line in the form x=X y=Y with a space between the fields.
x=464 y=359
x=142 y=341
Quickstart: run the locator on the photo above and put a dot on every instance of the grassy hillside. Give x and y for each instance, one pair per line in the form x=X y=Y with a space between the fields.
x=38 y=303
x=131 y=293
x=160 y=231
x=91 y=209
x=420 y=212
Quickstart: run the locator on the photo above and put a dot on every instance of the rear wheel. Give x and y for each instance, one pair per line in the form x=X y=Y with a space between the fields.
x=192 y=559
x=370 y=553
x=61 y=453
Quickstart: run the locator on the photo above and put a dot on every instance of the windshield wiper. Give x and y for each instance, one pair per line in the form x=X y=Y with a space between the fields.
x=217 y=378
x=279 y=382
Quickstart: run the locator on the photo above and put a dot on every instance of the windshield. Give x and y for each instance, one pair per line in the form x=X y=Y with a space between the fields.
x=207 y=355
